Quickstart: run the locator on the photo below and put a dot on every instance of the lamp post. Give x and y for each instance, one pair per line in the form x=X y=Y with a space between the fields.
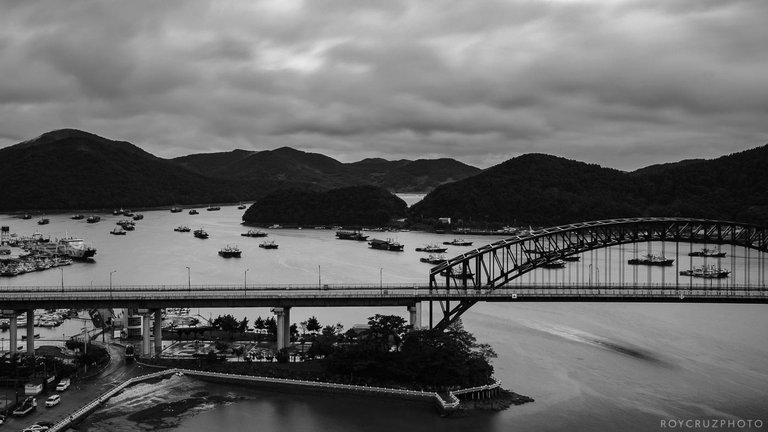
x=62 y=278
x=245 y=281
x=189 y=280
x=590 y=275
x=381 y=280
x=319 y=280
x=110 y=282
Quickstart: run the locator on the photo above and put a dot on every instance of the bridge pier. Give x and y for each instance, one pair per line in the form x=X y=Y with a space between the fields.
x=283 y=326
x=31 y=332
x=14 y=338
x=146 y=348
x=158 y=331
x=415 y=315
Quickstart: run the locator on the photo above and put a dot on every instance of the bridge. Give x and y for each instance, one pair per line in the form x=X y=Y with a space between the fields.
x=510 y=270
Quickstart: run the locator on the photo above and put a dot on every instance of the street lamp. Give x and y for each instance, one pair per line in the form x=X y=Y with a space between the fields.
x=62 y=278
x=381 y=280
x=189 y=280
x=590 y=275
x=245 y=281
x=319 y=281
x=110 y=282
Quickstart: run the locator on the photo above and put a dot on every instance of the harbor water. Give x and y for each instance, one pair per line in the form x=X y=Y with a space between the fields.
x=589 y=366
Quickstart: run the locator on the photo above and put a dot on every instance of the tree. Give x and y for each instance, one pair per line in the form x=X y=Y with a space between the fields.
x=386 y=330
x=243 y=326
x=271 y=326
x=313 y=325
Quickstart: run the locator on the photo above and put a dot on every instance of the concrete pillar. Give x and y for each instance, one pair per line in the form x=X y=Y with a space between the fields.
x=415 y=315
x=158 y=331
x=146 y=348
x=283 y=326
x=31 y=332
x=14 y=334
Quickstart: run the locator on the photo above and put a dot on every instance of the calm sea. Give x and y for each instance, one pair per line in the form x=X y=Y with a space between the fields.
x=589 y=366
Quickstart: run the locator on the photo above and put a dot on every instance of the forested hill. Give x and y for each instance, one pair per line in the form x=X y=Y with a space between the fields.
x=538 y=189
x=357 y=205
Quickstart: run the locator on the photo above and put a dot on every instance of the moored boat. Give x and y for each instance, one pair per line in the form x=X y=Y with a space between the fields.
x=456 y=274
x=176 y=209
x=77 y=216
x=431 y=248
x=254 y=233
x=193 y=212
x=434 y=259
x=652 y=260
x=351 y=235
x=93 y=219
x=572 y=258
x=117 y=231
x=200 y=233
x=458 y=242
x=230 y=252
x=182 y=228
x=710 y=272
x=268 y=245
x=710 y=253
x=387 y=244
x=213 y=208
x=43 y=221
x=556 y=264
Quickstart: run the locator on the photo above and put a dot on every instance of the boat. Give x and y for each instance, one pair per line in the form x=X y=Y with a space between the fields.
x=138 y=216
x=117 y=212
x=275 y=226
x=230 y=252
x=268 y=245
x=464 y=274
x=182 y=228
x=458 y=242
x=652 y=260
x=241 y=206
x=556 y=264
x=710 y=253
x=127 y=225
x=70 y=247
x=77 y=216
x=254 y=233
x=351 y=235
x=43 y=221
x=432 y=248
x=434 y=259
x=128 y=213
x=387 y=244
x=200 y=233
x=193 y=212
x=213 y=208
x=710 y=272
x=118 y=231
x=176 y=209
x=572 y=258
x=93 y=219
x=27 y=216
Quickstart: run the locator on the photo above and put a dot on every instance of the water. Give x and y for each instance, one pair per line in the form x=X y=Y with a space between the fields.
x=589 y=366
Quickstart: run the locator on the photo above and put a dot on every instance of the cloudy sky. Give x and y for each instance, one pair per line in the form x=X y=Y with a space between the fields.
x=621 y=83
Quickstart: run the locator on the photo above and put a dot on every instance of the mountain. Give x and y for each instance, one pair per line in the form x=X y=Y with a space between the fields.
x=72 y=169
x=356 y=205
x=546 y=190
x=287 y=168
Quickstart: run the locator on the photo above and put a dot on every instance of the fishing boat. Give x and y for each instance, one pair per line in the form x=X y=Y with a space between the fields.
x=93 y=219
x=193 y=212
x=556 y=264
x=182 y=228
x=200 y=233
x=387 y=244
x=455 y=274
x=176 y=209
x=43 y=221
x=230 y=252
x=241 y=206
x=268 y=245
x=572 y=258
x=710 y=272
x=434 y=259
x=458 y=242
x=351 y=235
x=431 y=248
x=213 y=208
x=118 y=231
x=710 y=253
x=77 y=216
x=652 y=260
x=254 y=233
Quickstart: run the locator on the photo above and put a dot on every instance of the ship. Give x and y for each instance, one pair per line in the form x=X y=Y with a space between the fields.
x=254 y=233
x=117 y=231
x=268 y=245
x=710 y=253
x=230 y=252
x=434 y=259
x=431 y=248
x=200 y=233
x=193 y=212
x=556 y=264
x=182 y=228
x=387 y=244
x=458 y=242
x=93 y=219
x=77 y=216
x=70 y=247
x=138 y=216
x=710 y=272
x=176 y=209
x=351 y=235
x=652 y=260
x=43 y=221
x=213 y=208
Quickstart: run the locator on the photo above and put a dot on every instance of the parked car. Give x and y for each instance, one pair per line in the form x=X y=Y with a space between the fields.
x=53 y=400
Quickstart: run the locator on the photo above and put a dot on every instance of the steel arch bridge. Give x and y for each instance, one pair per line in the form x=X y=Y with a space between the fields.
x=501 y=263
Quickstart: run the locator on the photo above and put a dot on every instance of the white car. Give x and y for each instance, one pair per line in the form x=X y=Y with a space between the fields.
x=62 y=385
x=53 y=401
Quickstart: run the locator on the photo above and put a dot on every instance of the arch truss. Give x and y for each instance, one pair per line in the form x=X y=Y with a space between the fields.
x=497 y=264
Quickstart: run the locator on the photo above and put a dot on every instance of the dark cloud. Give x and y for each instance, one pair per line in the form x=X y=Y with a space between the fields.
x=622 y=83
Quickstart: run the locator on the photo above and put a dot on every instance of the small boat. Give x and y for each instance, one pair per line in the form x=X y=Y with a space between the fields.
x=118 y=231
x=176 y=209
x=117 y=212
x=27 y=216
x=710 y=253
x=200 y=233
x=43 y=221
x=230 y=252
x=138 y=216
x=572 y=258
x=268 y=245
x=556 y=264
x=457 y=274
x=193 y=212
x=128 y=213
x=182 y=228
x=77 y=216
x=93 y=219
x=275 y=226
x=434 y=259
x=432 y=248
x=387 y=244
x=241 y=206
x=351 y=235
x=213 y=208
x=254 y=233
x=652 y=260
x=710 y=272
x=458 y=242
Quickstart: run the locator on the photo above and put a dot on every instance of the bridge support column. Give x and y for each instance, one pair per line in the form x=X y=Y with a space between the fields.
x=158 y=331
x=14 y=337
x=415 y=315
x=31 y=332
x=283 y=326
x=146 y=348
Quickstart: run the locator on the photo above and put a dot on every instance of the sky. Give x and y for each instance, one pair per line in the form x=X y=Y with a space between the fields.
x=620 y=83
